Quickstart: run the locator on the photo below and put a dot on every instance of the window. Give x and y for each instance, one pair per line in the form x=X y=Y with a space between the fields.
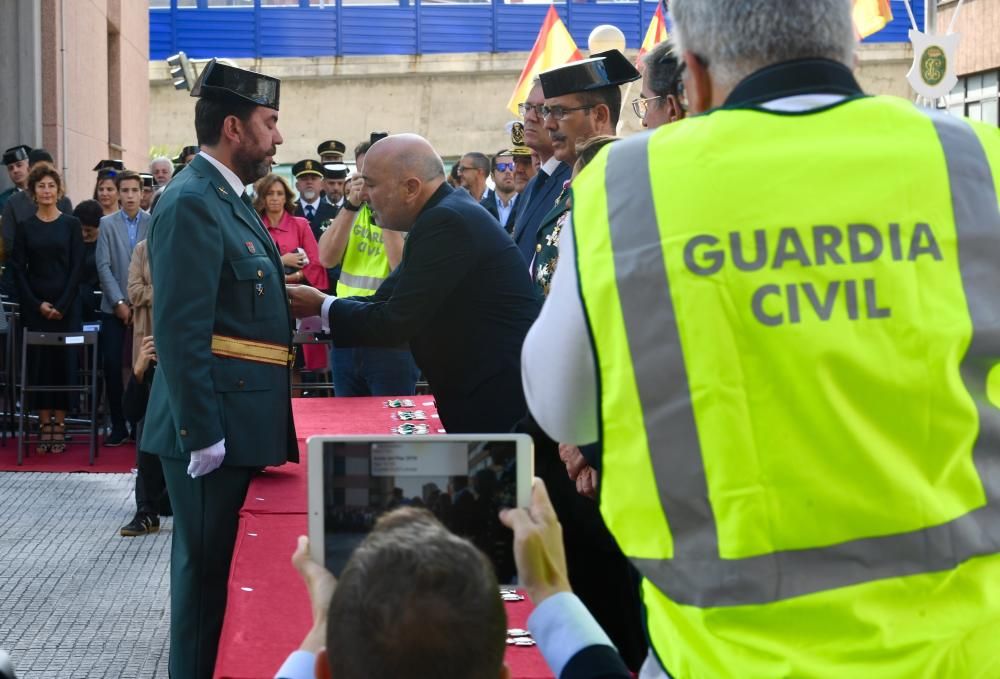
x=975 y=96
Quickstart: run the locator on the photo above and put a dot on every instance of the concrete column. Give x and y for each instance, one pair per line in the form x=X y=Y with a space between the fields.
x=20 y=71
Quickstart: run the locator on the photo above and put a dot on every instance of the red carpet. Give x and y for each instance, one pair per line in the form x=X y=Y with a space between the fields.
x=263 y=585
x=76 y=459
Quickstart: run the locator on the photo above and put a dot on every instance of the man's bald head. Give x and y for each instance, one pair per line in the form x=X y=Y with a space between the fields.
x=408 y=155
x=401 y=172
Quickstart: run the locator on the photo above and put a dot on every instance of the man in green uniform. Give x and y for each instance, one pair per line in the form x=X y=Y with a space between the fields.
x=220 y=407
x=582 y=101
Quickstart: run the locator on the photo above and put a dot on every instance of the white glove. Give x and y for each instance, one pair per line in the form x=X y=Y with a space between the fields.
x=207 y=460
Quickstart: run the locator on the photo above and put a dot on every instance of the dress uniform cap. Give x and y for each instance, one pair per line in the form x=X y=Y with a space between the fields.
x=114 y=166
x=331 y=146
x=518 y=147
x=601 y=70
x=307 y=167
x=147 y=180
x=16 y=153
x=335 y=171
x=219 y=78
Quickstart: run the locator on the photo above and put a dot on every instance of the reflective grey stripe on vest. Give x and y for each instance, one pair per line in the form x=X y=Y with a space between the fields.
x=364 y=282
x=696 y=575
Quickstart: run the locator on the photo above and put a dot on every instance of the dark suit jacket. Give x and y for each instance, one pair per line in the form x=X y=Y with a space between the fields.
x=596 y=662
x=461 y=299
x=538 y=203
x=490 y=203
x=216 y=270
x=324 y=213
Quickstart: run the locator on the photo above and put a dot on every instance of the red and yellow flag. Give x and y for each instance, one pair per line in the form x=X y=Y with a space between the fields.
x=870 y=16
x=554 y=46
x=655 y=34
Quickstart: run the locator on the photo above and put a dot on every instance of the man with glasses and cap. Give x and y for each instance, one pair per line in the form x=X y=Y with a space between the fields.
x=219 y=408
x=318 y=212
x=541 y=192
x=524 y=162
x=582 y=102
x=15 y=159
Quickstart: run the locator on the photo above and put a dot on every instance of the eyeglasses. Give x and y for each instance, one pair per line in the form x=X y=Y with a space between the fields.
x=561 y=112
x=524 y=108
x=504 y=167
x=640 y=105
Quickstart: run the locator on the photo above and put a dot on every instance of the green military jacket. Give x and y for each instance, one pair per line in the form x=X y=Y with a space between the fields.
x=547 y=243
x=217 y=277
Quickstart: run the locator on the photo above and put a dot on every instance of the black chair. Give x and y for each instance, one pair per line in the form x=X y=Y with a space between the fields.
x=71 y=341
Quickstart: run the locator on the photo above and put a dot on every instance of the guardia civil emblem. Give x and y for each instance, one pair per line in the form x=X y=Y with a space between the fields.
x=933 y=72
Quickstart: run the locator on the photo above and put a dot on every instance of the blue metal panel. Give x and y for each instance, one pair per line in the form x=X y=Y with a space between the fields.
x=378 y=30
x=457 y=28
x=296 y=31
x=215 y=32
x=407 y=28
x=159 y=34
x=517 y=25
x=898 y=28
x=623 y=15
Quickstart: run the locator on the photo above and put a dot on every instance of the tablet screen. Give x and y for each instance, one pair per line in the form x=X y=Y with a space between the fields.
x=463 y=483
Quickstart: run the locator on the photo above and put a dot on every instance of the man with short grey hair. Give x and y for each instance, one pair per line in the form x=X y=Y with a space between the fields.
x=790 y=307
x=162 y=169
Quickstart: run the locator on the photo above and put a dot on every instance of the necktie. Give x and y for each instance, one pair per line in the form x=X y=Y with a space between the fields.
x=542 y=176
x=309 y=212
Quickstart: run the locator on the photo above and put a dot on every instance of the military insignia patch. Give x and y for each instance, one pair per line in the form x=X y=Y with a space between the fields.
x=222 y=191
x=251 y=248
x=259 y=287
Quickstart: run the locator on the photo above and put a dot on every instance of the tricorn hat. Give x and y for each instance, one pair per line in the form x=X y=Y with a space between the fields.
x=307 y=167
x=603 y=69
x=223 y=79
x=113 y=165
x=147 y=180
x=16 y=153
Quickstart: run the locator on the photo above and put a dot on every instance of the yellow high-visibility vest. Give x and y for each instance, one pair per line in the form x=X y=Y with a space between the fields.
x=796 y=319
x=365 y=264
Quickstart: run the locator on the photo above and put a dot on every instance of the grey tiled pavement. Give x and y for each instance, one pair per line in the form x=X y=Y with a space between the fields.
x=77 y=600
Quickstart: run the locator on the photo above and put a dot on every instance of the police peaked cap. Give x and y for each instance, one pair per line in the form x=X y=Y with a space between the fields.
x=518 y=147
x=112 y=166
x=335 y=171
x=147 y=180
x=331 y=146
x=16 y=153
x=603 y=69
x=307 y=167
x=221 y=79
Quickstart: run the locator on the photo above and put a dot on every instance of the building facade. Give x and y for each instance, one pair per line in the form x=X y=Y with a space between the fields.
x=978 y=58
x=80 y=74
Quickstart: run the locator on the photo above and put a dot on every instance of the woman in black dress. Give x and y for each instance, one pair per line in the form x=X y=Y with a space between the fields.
x=48 y=262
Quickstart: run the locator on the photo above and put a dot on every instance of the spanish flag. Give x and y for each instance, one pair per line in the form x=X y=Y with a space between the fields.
x=655 y=34
x=554 y=46
x=871 y=16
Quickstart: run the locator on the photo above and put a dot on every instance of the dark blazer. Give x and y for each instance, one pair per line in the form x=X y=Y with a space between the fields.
x=216 y=270
x=538 y=203
x=490 y=203
x=461 y=299
x=324 y=213
x=596 y=662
